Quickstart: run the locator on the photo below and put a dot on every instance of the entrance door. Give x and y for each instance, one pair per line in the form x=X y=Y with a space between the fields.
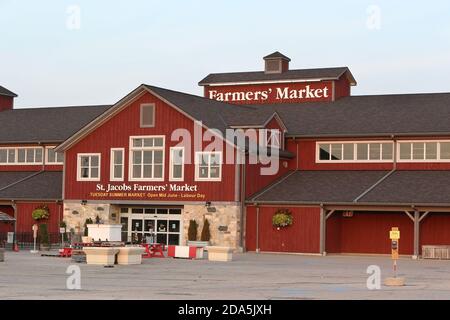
x=152 y=224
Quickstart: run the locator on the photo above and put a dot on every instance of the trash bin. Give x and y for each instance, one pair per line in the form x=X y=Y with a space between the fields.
x=2 y=254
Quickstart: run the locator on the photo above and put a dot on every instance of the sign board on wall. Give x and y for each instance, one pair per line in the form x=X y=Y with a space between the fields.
x=167 y=191
x=271 y=93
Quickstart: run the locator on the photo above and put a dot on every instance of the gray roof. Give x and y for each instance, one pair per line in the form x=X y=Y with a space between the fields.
x=256 y=76
x=276 y=55
x=6 y=92
x=46 y=185
x=412 y=187
x=211 y=112
x=407 y=114
x=45 y=124
x=343 y=187
x=319 y=186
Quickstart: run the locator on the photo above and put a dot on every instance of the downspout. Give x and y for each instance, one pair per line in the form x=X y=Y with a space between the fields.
x=394 y=168
x=243 y=207
x=298 y=156
x=257 y=228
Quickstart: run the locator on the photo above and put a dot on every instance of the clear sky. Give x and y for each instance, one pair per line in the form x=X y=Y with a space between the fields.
x=81 y=52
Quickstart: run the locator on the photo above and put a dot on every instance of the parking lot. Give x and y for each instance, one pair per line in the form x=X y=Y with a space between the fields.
x=250 y=276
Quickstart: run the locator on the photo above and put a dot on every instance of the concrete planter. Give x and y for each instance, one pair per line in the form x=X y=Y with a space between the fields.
x=100 y=255
x=130 y=255
x=220 y=253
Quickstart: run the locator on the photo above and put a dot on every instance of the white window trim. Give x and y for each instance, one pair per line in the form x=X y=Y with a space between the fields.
x=111 y=165
x=16 y=155
x=130 y=157
x=46 y=156
x=171 y=178
x=79 y=155
x=141 y=119
x=438 y=160
x=265 y=137
x=197 y=167
x=355 y=152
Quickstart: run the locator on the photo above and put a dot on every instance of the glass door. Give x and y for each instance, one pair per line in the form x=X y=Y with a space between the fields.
x=150 y=225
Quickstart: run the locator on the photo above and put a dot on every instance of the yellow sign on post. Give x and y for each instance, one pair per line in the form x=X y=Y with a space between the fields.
x=394 y=234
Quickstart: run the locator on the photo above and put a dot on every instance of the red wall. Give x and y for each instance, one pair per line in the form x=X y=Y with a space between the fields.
x=342 y=88
x=115 y=133
x=25 y=220
x=435 y=229
x=271 y=91
x=303 y=236
x=6 y=103
x=368 y=232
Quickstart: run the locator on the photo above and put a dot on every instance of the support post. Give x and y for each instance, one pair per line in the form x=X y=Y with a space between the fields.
x=323 y=223
x=416 y=234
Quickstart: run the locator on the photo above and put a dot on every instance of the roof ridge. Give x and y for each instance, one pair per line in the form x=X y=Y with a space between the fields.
x=247 y=107
x=62 y=107
x=262 y=71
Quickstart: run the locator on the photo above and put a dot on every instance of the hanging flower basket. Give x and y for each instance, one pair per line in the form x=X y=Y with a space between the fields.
x=282 y=218
x=40 y=213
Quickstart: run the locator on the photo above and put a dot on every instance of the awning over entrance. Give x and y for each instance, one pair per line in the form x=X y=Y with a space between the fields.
x=6 y=217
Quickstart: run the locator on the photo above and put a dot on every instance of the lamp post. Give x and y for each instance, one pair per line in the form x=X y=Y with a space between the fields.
x=35 y=231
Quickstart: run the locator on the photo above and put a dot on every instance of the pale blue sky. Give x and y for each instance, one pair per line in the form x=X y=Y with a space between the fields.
x=174 y=44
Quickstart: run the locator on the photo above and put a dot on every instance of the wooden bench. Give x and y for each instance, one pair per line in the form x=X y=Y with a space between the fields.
x=219 y=253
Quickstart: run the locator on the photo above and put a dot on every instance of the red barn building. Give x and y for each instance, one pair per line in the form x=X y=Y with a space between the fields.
x=348 y=168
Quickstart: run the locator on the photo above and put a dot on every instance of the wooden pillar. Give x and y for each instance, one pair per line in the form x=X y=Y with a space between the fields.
x=416 y=234
x=323 y=229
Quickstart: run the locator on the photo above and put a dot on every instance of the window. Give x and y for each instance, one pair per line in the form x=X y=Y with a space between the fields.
x=176 y=164
x=117 y=164
x=274 y=138
x=208 y=166
x=54 y=157
x=147 y=115
x=147 y=158
x=21 y=156
x=355 y=151
x=424 y=151
x=88 y=167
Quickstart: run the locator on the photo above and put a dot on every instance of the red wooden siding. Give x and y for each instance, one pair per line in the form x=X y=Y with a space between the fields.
x=271 y=90
x=115 y=133
x=25 y=221
x=6 y=103
x=302 y=236
x=368 y=232
x=341 y=88
x=435 y=229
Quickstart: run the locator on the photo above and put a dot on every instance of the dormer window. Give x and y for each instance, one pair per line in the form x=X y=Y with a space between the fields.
x=276 y=63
